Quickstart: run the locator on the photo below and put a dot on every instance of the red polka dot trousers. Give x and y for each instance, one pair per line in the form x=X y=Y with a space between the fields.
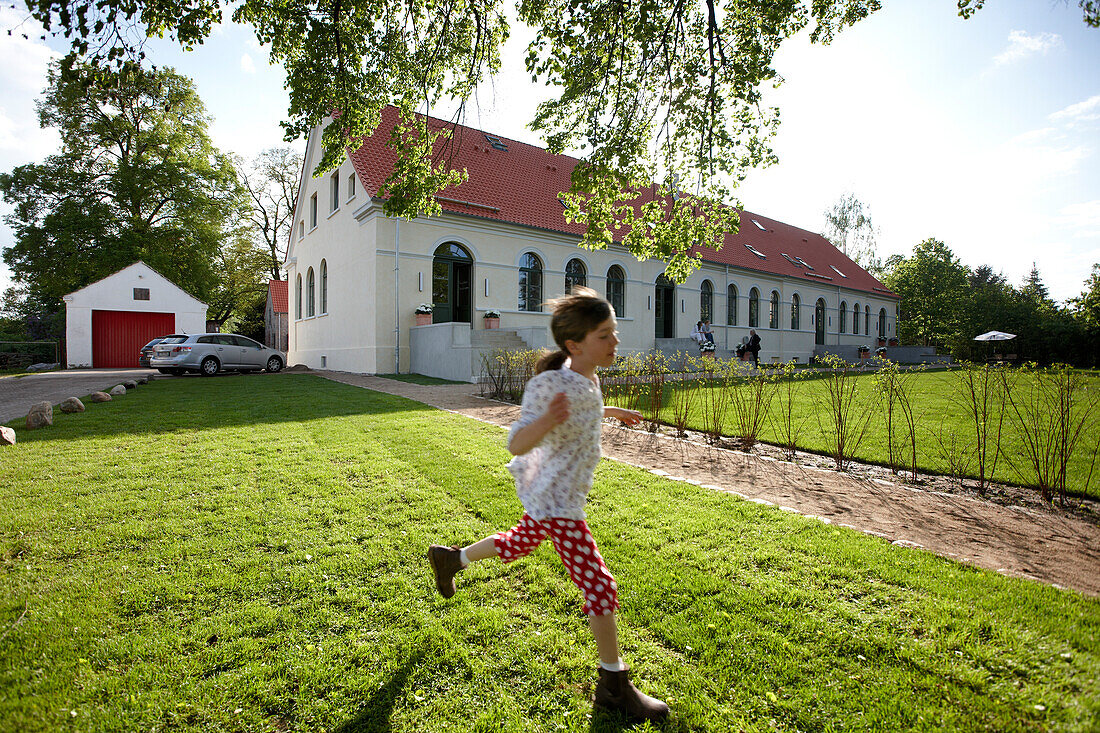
x=577 y=550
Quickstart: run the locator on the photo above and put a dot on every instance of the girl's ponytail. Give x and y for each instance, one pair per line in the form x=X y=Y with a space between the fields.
x=575 y=316
x=551 y=360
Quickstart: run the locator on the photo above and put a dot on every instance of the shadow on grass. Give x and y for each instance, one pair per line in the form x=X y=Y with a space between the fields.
x=605 y=721
x=375 y=712
x=175 y=405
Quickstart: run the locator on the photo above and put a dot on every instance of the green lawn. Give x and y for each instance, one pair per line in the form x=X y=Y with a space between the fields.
x=937 y=410
x=238 y=554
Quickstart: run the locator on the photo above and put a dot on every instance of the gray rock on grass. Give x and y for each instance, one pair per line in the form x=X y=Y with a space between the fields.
x=7 y=436
x=72 y=404
x=117 y=390
x=100 y=397
x=40 y=415
x=130 y=384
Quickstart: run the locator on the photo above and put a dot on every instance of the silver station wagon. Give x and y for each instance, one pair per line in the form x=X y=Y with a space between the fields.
x=210 y=353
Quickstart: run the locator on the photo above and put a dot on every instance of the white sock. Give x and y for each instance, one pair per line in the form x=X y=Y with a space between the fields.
x=462 y=557
x=618 y=666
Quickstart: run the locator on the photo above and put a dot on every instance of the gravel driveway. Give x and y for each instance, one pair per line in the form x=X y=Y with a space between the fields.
x=17 y=394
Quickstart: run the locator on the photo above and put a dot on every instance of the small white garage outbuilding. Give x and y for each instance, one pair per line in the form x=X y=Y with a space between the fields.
x=107 y=322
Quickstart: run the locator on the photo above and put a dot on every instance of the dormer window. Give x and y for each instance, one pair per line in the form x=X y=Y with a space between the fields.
x=495 y=143
x=756 y=252
x=838 y=272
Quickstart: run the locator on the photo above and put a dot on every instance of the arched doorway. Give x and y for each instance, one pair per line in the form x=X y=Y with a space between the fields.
x=664 y=310
x=819 y=322
x=452 y=266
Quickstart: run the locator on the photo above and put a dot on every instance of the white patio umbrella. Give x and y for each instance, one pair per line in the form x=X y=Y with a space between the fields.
x=995 y=336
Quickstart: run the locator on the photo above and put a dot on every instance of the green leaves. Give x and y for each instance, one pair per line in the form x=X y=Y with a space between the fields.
x=137 y=178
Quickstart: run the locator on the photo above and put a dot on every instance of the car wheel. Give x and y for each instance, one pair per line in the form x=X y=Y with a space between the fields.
x=274 y=364
x=209 y=366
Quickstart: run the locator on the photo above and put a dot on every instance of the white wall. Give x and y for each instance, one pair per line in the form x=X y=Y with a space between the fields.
x=379 y=270
x=116 y=293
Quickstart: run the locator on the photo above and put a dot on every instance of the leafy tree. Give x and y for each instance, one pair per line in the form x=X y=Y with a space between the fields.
x=1086 y=310
x=1034 y=289
x=661 y=97
x=848 y=226
x=137 y=178
x=932 y=286
x=272 y=181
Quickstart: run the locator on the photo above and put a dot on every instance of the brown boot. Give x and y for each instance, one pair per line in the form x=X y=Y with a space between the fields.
x=615 y=691
x=446 y=562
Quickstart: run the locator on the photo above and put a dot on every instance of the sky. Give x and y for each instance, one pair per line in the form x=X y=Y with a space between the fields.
x=982 y=133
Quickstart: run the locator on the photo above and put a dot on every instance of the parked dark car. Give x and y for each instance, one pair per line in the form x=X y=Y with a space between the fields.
x=146 y=352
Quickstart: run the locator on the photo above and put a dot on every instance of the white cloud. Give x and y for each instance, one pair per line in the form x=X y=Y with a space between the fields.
x=1087 y=111
x=1083 y=218
x=246 y=64
x=1021 y=45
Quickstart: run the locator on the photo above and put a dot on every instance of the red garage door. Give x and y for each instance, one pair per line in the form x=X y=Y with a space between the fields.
x=117 y=336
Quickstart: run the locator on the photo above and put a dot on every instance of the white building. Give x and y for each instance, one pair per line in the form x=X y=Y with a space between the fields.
x=356 y=275
x=107 y=322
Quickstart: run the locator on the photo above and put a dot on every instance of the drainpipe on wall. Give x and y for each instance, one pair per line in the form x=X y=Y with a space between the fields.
x=727 y=328
x=397 y=298
x=838 y=315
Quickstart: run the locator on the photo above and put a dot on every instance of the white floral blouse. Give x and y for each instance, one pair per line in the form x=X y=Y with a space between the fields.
x=553 y=478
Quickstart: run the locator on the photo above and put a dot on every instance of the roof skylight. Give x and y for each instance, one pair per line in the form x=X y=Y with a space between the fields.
x=788 y=258
x=805 y=264
x=755 y=251
x=759 y=226
x=496 y=143
x=838 y=272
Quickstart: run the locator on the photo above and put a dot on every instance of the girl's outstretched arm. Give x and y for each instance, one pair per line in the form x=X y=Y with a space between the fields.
x=630 y=417
x=532 y=434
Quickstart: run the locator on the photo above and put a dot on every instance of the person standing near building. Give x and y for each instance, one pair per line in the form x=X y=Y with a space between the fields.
x=754 y=347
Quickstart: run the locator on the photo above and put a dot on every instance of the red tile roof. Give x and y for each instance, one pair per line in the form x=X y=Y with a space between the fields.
x=277 y=294
x=520 y=185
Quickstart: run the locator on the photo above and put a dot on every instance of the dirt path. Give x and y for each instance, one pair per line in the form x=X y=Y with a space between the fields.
x=1031 y=542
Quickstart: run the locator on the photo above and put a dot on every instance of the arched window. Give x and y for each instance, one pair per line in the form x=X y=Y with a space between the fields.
x=843 y=316
x=310 y=288
x=324 y=286
x=530 y=283
x=706 y=301
x=616 y=289
x=855 y=317
x=754 y=308
x=796 y=314
x=575 y=274
x=298 y=298
x=731 y=305
x=882 y=323
x=867 y=319
x=773 y=311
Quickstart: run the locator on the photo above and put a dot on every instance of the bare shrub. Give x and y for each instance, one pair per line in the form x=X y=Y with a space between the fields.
x=715 y=381
x=953 y=453
x=654 y=375
x=979 y=390
x=843 y=409
x=787 y=428
x=506 y=373
x=1051 y=409
x=894 y=387
x=751 y=393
